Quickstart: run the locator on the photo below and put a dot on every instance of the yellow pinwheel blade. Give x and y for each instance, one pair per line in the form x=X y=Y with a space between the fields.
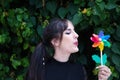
x=101 y=46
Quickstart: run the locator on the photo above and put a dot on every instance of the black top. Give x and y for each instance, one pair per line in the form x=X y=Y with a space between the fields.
x=56 y=70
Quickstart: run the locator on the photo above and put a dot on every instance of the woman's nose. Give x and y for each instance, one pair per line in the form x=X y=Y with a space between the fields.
x=76 y=35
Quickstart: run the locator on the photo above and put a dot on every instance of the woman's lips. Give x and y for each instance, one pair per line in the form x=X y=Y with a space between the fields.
x=76 y=43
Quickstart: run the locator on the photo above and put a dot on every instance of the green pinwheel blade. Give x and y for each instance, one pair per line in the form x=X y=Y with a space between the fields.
x=107 y=43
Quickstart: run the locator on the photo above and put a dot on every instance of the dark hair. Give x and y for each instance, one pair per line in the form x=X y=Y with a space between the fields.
x=40 y=56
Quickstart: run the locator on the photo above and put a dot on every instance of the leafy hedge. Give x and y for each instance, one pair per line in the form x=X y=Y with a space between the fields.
x=22 y=22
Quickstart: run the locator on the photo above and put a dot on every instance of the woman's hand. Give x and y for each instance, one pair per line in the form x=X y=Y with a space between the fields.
x=104 y=72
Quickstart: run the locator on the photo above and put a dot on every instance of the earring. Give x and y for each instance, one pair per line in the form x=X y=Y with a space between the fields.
x=43 y=61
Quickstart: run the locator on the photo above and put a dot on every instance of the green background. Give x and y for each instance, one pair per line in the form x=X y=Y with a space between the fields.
x=22 y=23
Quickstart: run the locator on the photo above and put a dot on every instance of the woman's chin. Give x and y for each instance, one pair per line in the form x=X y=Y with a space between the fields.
x=76 y=50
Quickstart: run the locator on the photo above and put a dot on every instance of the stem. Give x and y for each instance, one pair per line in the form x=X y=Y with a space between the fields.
x=101 y=58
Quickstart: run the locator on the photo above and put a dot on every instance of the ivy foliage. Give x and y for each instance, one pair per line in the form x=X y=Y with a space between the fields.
x=22 y=23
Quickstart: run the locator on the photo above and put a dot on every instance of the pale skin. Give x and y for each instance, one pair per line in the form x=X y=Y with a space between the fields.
x=69 y=45
x=104 y=72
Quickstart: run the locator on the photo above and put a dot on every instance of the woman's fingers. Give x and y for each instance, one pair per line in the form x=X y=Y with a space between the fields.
x=104 y=72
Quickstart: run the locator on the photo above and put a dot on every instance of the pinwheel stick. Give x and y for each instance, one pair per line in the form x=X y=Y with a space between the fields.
x=101 y=58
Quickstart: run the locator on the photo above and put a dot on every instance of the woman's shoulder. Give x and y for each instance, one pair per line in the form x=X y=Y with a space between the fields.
x=78 y=64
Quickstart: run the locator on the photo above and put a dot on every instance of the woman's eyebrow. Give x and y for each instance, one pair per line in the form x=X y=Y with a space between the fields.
x=68 y=29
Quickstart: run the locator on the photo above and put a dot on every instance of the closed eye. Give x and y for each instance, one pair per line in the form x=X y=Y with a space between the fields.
x=68 y=31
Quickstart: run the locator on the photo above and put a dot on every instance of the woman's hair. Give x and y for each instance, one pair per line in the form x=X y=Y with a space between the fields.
x=40 y=56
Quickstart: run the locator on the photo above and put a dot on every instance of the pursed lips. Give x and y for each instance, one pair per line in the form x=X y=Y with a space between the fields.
x=76 y=43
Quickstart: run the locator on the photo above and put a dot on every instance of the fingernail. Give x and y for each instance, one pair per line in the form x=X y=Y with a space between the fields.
x=97 y=67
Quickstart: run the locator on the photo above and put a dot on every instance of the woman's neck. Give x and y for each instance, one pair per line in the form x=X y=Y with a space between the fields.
x=62 y=57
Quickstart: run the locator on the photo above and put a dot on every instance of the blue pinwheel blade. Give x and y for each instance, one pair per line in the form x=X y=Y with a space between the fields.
x=106 y=37
x=101 y=33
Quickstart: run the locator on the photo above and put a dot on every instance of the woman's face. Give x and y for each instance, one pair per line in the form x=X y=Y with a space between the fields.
x=69 y=42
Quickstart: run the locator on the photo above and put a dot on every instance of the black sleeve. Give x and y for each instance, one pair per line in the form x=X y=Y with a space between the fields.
x=84 y=73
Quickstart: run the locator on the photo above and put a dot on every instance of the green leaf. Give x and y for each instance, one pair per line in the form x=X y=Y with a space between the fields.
x=15 y=63
x=8 y=78
x=95 y=19
x=116 y=37
x=118 y=68
x=32 y=48
x=27 y=32
x=51 y=6
x=33 y=20
x=118 y=32
x=38 y=3
x=77 y=18
x=89 y=12
x=101 y=5
x=76 y=1
x=118 y=9
x=62 y=12
x=1 y=66
x=25 y=16
x=6 y=69
x=25 y=46
x=5 y=3
x=96 y=10
x=20 y=39
x=4 y=38
x=83 y=25
x=72 y=9
x=19 y=18
x=32 y=2
x=39 y=30
x=25 y=62
x=98 y=0
x=116 y=48
x=29 y=24
x=19 y=10
x=44 y=12
x=114 y=73
x=20 y=77
x=110 y=29
x=110 y=5
x=116 y=59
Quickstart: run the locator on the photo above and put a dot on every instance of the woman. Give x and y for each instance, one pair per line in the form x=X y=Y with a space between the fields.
x=62 y=38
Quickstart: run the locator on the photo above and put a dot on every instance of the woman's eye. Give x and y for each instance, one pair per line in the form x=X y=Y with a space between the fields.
x=68 y=33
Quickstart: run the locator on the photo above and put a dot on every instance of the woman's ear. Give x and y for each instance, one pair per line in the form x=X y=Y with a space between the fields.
x=55 y=42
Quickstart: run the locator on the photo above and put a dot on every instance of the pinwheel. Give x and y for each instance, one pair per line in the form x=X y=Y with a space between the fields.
x=100 y=41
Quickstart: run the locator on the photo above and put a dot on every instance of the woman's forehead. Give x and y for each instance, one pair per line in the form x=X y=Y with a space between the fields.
x=70 y=25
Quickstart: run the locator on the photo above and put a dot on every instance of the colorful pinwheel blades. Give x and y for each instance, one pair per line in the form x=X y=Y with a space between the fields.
x=104 y=38
x=100 y=40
